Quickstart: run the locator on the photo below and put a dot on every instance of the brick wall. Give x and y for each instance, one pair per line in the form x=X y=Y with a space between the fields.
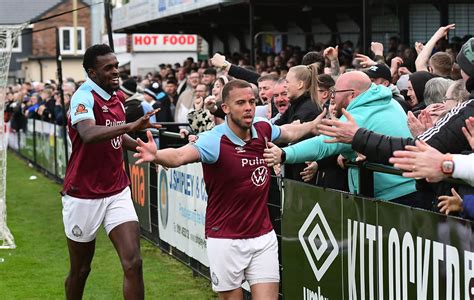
x=44 y=42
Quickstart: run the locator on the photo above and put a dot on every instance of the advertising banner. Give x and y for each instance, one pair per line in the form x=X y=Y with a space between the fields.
x=140 y=185
x=339 y=246
x=44 y=145
x=26 y=141
x=182 y=202
x=164 y=42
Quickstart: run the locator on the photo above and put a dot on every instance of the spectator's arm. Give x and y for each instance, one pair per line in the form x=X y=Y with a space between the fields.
x=332 y=54
x=421 y=62
x=464 y=167
x=377 y=49
x=377 y=147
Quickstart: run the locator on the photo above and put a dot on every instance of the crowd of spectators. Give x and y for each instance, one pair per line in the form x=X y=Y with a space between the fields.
x=425 y=80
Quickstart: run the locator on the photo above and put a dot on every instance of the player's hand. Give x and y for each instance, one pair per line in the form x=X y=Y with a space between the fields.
x=272 y=154
x=144 y=122
x=146 y=152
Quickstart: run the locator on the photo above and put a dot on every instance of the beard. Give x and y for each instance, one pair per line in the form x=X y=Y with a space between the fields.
x=240 y=123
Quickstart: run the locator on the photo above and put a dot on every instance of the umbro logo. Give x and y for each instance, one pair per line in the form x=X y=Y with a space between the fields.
x=240 y=149
x=318 y=242
x=105 y=109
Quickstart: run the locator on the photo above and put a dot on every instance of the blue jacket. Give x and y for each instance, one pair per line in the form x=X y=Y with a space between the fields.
x=375 y=110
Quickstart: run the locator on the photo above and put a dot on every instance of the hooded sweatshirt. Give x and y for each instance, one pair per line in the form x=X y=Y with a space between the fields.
x=373 y=109
x=418 y=81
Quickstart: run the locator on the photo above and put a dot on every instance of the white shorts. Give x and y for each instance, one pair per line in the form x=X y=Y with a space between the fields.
x=232 y=261
x=82 y=217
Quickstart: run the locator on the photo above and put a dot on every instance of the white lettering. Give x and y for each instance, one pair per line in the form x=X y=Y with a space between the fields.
x=371 y=237
x=351 y=258
x=408 y=260
x=362 y=261
x=468 y=272
x=422 y=267
x=252 y=162
x=393 y=254
x=380 y=251
x=438 y=255
x=452 y=272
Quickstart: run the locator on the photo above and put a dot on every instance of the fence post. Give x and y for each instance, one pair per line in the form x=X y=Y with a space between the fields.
x=366 y=180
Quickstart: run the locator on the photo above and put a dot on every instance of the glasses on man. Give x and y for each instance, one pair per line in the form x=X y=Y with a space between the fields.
x=332 y=93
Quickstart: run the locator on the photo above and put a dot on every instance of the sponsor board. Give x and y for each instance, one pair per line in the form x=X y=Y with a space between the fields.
x=182 y=202
x=340 y=246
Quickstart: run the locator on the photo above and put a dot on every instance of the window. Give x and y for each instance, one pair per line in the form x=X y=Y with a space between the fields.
x=69 y=44
x=5 y=35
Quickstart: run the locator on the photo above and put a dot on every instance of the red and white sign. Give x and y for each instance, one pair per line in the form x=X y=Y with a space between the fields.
x=164 y=42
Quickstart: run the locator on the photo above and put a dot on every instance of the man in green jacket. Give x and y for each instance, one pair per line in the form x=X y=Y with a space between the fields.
x=372 y=107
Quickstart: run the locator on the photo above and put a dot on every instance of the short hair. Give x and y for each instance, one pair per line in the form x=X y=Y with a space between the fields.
x=435 y=89
x=210 y=71
x=90 y=57
x=269 y=77
x=314 y=57
x=171 y=80
x=442 y=63
x=326 y=81
x=234 y=84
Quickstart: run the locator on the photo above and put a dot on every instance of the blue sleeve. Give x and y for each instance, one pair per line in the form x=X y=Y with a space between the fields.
x=208 y=145
x=82 y=106
x=146 y=108
x=468 y=206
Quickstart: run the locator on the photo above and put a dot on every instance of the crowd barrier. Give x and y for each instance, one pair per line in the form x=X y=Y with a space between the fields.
x=332 y=245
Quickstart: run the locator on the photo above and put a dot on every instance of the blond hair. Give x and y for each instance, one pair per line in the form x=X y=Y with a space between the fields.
x=309 y=76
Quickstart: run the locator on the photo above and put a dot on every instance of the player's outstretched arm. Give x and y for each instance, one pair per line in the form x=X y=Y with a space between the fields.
x=291 y=133
x=170 y=157
x=92 y=133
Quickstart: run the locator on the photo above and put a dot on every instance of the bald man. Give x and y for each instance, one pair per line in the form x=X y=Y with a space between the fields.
x=371 y=105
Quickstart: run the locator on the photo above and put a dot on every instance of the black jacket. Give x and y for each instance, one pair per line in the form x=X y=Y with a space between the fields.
x=244 y=74
x=446 y=136
x=303 y=109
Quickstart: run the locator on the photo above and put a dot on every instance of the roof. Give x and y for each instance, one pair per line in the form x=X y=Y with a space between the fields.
x=20 y=11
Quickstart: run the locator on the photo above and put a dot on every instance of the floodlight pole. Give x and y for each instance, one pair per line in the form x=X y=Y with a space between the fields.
x=61 y=92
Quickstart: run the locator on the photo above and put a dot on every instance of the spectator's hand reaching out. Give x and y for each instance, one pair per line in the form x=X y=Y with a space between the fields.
x=449 y=204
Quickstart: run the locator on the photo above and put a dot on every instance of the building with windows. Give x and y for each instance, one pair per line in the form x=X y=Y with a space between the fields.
x=255 y=26
x=34 y=54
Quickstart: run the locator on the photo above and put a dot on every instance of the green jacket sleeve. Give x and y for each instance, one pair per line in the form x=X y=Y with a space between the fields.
x=315 y=149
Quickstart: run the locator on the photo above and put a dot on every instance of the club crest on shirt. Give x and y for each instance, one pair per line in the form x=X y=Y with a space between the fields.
x=105 y=108
x=81 y=109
